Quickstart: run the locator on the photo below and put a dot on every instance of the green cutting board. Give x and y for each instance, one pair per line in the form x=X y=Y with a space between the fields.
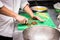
x=45 y=16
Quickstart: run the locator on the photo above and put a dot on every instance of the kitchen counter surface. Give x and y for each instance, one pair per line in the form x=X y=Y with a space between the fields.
x=18 y=34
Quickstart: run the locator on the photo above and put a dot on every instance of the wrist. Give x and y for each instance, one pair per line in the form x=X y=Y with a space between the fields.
x=16 y=16
x=32 y=15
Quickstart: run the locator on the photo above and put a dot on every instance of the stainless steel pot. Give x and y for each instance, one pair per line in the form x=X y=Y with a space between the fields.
x=41 y=33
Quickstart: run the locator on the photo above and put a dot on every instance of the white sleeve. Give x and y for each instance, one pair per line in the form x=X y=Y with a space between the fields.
x=1 y=4
x=23 y=3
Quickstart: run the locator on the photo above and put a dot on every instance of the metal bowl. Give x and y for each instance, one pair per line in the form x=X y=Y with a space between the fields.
x=39 y=8
x=41 y=33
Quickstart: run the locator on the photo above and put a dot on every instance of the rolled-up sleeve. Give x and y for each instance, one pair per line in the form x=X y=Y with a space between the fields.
x=1 y=4
x=23 y=3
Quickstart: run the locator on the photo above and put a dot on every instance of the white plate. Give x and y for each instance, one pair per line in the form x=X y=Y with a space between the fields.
x=39 y=8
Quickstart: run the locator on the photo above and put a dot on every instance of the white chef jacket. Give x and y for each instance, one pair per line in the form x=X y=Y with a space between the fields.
x=7 y=23
x=1 y=4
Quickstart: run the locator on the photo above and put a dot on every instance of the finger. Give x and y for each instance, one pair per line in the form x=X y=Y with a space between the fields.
x=23 y=21
x=26 y=21
x=40 y=19
x=35 y=18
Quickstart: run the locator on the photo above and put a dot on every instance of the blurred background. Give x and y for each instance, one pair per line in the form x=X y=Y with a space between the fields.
x=48 y=3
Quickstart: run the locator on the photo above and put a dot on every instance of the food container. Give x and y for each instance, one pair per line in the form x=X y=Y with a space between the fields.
x=57 y=7
x=39 y=8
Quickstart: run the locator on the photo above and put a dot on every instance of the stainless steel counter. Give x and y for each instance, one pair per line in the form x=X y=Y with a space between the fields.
x=53 y=15
x=18 y=35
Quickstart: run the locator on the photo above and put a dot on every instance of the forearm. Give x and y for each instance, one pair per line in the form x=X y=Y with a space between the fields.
x=7 y=12
x=10 y=13
x=28 y=10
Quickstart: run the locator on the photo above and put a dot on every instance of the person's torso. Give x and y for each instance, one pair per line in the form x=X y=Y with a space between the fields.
x=6 y=22
x=13 y=5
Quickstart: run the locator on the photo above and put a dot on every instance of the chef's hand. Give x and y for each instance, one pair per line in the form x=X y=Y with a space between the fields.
x=22 y=19
x=37 y=18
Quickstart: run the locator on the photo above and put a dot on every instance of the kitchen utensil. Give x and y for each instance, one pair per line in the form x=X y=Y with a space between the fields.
x=41 y=33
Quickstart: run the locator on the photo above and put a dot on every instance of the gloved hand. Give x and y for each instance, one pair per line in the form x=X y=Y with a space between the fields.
x=22 y=19
x=37 y=18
